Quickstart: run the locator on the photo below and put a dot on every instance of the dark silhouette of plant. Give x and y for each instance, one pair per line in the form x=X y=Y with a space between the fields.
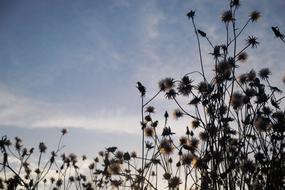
x=235 y=140
x=277 y=33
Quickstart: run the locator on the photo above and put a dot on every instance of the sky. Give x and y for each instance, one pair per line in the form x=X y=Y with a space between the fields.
x=75 y=63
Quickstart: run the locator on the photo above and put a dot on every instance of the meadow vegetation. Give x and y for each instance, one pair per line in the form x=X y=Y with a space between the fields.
x=235 y=140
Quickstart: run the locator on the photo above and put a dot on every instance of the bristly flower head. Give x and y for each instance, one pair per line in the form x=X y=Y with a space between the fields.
x=242 y=56
x=177 y=114
x=174 y=182
x=264 y=73
x=63 y=131
x=149 y=109
x=195 y=124
x=191 y=14
x=254 y=16
x=42 y=147
x=227 y=16
x=252 y=41
x=166 y=146
x=185 y=86
x=171 y=94
x=187 y=159
x=261 y=123
x=242 y=79
x=166 y=84
x=237 y=100
x=149 y=132
x=216 y=52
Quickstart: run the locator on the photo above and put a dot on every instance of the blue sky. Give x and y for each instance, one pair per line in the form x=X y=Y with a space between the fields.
x=74 y=63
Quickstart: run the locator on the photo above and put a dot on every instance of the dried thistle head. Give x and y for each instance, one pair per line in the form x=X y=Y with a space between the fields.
x=261 y=123
x=184 y=141
x=177 y=114
x=114 y=167
x=149 y=132
x=264 y=73
x=191 y=14
x=195 y=124
x=133 y=154
x=171 y=94
x=150 y=109
x=252 y=41
x=187 y=159
x=64 y=131
x=166 y=146
x=174 y=182
x=242 y=79
x=119 y=154
x=203 y=136
x=42 y=147
x=227 y=16
x=237 y=100
x=242 y=56
x=254 y=16
x=166 y=84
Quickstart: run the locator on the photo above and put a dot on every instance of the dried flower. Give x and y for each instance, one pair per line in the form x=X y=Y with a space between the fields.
x=254 y=16
x=242 y=57
x=264 y=73
x=216 y=52
x=187 y=159
x=185 y=86
x=171 y=94
x=194 y=101
x=149 y=132
x=194 y=142
x=149 y=109
x=204 y=88
x=195 y=124
x=203 y=136
x=42 y=147
x=119 y=155
x=251 y=75
x=133 y=154
x=224 y=68
x=227 y=16
x=177 y=113
x=166 y=84
x=147 y=118
x=242 y=78
x=261 y=123
x=237 y=100
x=114 y=168
x=184 y=141
x=63 y=131
x=167 y=176
x=174 y=182
x=59 y=182
x=191 y=14
x=141 y=89
x=252 y=41
x=165 y=146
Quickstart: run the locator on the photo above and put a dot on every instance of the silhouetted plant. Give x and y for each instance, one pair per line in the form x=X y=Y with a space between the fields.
x=235 y=139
